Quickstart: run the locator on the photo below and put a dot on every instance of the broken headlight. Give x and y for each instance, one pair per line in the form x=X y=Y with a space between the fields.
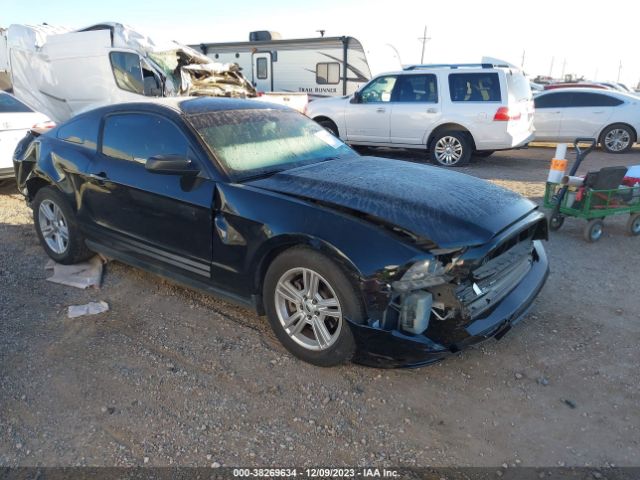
x=422 y=274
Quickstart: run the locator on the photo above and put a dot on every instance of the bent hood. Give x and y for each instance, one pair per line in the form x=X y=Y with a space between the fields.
x=449 y=208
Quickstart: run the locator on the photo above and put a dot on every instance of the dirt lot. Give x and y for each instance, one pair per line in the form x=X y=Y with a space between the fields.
x=173 y=377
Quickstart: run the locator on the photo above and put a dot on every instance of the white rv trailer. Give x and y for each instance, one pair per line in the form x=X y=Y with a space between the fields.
x=319 y=67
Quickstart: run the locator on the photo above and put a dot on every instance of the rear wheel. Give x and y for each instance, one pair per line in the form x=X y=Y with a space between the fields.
x=308 y=300
x=617 y=138
x=451 y=149
x=593 y=230
x=633 y=225
x=556 y=221
x=56 y=226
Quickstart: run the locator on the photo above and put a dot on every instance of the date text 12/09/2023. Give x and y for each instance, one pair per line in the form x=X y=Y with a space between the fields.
x=315 y=472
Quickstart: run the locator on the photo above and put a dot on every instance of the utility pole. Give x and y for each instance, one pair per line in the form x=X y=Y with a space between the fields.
x=522 y=62
x=564 y=64
x=619 y=70
x=551 y=67
x=424 y=40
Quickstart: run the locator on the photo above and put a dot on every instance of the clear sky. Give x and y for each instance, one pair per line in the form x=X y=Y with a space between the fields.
x=592 y=38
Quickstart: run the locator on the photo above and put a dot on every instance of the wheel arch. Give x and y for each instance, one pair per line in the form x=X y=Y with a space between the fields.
x=450 y=126
x=278 y=245
x=633 y=131
x=324 y=118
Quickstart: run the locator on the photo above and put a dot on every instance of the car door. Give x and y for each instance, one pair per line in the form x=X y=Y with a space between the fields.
x=588 y=114
x=164 y=219
x=367 y=117
x=415 y=108
x=548 y=114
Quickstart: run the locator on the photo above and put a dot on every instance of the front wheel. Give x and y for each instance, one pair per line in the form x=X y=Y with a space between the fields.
x=331 y=127
x=451 y=149
x=308 y=299
x=617 y=138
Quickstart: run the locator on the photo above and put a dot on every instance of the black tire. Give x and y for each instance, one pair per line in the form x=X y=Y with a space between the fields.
x=483 y=153
x=350 y=303
x=75 y=250
x=633 y=225
x=556 y=221
x=593 y=231
x=330 y=127
x=457 y=139
x=627 y=137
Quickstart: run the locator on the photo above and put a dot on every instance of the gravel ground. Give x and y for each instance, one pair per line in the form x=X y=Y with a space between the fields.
x=173 y=377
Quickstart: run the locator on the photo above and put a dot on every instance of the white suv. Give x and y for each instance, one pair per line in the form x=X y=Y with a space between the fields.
x=452 y=111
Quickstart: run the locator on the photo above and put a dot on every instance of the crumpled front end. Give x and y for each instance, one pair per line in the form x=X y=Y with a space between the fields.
x=438 y=306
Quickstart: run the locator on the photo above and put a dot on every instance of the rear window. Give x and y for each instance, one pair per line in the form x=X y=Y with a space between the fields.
x=9 y=104
x=518 y=87
x=474 y=87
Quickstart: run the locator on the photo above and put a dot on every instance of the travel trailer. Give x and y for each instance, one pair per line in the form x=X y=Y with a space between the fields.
x=61 y=73
x=320 y=67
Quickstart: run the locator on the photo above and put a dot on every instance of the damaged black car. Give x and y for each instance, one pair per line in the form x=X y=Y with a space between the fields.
x=384 y=262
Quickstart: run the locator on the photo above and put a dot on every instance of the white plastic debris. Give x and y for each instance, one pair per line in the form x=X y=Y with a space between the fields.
x=81 y=275
x=91 y=308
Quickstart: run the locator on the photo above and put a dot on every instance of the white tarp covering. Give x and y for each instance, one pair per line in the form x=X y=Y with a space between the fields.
x=61 y=72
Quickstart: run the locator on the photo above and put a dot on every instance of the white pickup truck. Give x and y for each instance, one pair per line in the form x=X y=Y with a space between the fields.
x=61 y=73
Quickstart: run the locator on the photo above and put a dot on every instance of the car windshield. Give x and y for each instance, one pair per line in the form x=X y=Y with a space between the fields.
x=256 y=142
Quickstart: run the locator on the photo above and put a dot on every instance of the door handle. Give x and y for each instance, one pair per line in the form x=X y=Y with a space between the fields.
x=432 y=110
x=380 y=110
x=599 y=111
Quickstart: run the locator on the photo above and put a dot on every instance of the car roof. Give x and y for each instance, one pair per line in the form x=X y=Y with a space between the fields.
x=602 y=91
x=187 y=105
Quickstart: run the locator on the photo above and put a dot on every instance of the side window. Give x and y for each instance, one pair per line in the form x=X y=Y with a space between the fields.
x=127 y=71
x=586 y=99
x=378 y=91
x=416 y=88
x=327 y=73
x=9 y=104
x=474 y=87
x=138 y=136
x=554 y=100
x=83 y=131
x=261 y=68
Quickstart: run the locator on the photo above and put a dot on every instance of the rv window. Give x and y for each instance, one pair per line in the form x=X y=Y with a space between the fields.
x=136 y=137
x=327 y=73
x=127 y=71
x=261 y=68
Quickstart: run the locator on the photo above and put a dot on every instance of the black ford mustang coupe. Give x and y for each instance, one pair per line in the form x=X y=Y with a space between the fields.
x=385 y=262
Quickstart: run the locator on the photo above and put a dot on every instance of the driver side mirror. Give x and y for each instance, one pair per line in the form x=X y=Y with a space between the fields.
x=171 y=165
x=357 y=98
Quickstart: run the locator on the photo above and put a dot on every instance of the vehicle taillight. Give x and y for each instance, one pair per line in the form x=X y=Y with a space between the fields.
x=44 y=125
x=504 y=115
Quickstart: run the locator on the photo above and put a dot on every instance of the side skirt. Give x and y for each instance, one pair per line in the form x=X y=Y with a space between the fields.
x=253 y=302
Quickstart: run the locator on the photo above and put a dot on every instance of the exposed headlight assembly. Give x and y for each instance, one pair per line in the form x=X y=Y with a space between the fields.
x=422 y=274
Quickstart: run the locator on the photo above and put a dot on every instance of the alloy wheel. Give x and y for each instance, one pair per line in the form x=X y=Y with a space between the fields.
x=617 y=139
x=308 y=309
x=448 y=150
x=53 y=226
